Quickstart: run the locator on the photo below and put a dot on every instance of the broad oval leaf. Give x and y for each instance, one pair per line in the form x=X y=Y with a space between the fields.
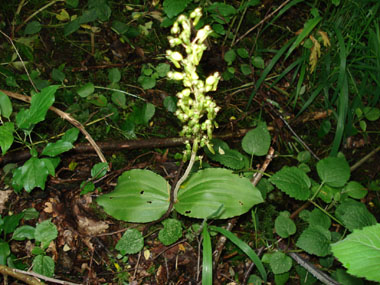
x=5 y=251
x=293 y=181
x=86 y=90
x=32 y=174
x=257 y=141
x=280 y=262
x=334 y=171
x=207 y=190
x=360 y=252
x=315 y=240
x=141 y=196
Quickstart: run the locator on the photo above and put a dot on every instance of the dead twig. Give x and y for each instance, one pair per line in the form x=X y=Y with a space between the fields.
x=30 y=277
x=64 y=116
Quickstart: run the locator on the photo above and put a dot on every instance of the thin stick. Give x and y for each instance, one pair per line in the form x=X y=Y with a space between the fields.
x=22 y=62
x=36 y=13
x=261 y=22
x=364 y=159
x=64 y=116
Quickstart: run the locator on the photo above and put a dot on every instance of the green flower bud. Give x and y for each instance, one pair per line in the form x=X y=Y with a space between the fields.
x=176 y=56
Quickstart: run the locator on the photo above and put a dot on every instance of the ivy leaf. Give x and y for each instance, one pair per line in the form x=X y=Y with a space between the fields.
x=131 y=242
x=43 y=265
x=171 y=232
x=334 y=171
x=360 y=252
x=6 y=136
x=354 y=215
x=293 y=181
x=315 y=240
x=257 y=141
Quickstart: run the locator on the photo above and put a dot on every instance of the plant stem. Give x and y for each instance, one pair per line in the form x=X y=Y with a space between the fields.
x=185 y=175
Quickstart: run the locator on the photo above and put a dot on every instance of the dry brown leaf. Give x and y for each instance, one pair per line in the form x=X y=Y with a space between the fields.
x=4 y=196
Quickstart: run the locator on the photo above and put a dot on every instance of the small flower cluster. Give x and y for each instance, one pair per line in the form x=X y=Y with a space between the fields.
x=195 y=110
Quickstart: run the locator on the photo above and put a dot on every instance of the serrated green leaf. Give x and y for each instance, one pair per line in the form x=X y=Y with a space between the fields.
x=71 y=135
x=207 y=190
x=86 y=90
x=6 y=136
x=171 y=232
x=99 y=170
x=355 y=190
x=245 y=69
x=334 y=171
x=131 y=242
x=119 y=99
x=45 y=232
x=230 y=56
x=258 y=62
x=315 y=240
x=170 y=103
x=5 y=251
x=33 y=27
x=360 y=252
x=318 y=218
x=44 y=265
x=39 y=106
x=280 y=262
x=140 y=196
x=284 y=226
x=173 y=8
x=57 y=75
x=371 y=113
x=293 y=181
x=354 y=215
x=257 y=141
x=23 y=232
x=114 y=75
x=32 y=174
x=242 y=52
x=147 y=82
x=5 y=105
x=58 y=147
x=11 y=222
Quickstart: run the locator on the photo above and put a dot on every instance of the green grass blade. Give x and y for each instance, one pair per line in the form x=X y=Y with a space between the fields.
x=207 y=257
x=287 y=70
x=245 y=248
x=308 y=27
x=342 y=88
x=299 y=84
x=267 y=70
x=311 y=98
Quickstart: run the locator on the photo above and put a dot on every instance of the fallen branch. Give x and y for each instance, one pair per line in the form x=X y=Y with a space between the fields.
x=64 y=116
x=120 y=145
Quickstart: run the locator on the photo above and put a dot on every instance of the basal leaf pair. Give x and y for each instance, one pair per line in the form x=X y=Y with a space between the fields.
x=143 y=196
